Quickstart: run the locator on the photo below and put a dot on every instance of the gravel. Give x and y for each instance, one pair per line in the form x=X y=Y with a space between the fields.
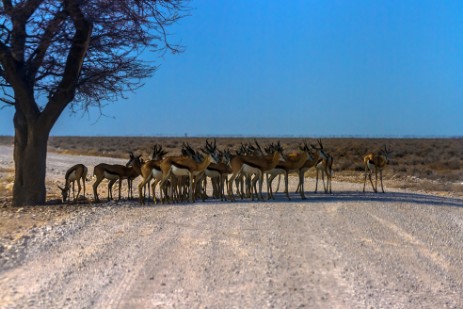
x=350 y=249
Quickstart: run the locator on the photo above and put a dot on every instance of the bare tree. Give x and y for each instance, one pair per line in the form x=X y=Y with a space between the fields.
x=77 y=53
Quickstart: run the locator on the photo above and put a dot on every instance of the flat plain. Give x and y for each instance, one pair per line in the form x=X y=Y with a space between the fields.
x=349 y=249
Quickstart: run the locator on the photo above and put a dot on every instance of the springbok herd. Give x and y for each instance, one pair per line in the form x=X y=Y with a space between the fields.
x=185 y=177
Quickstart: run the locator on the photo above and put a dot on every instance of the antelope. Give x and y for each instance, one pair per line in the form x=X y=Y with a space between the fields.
x=309 y=163
x=182 y=182
x=218 y=173
x=186 y=166
x=324 y=166
x=253 y=165
x=113 y=173
x=244 y=179
x=374 y=163
x=76 y=173
x=293 y=163
x=151 y=170
x=210 y=171
x=133 y=174
x=158 y=153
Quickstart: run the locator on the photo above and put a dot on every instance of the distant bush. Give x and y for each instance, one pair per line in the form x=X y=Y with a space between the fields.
x=433 y=159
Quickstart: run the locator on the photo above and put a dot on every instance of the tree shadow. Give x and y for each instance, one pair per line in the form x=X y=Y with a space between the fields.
x=280 y=198
x=388 y=197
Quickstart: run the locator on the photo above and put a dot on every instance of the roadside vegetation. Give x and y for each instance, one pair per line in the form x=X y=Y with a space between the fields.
x=430 y=164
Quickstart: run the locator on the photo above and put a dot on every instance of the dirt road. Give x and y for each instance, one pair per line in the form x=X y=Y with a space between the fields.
x=346 y=250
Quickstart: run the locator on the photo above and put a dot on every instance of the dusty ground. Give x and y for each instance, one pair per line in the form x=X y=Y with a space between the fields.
x=401 y=249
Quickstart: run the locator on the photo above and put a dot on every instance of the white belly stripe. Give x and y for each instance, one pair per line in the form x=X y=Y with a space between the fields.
x=179 y=171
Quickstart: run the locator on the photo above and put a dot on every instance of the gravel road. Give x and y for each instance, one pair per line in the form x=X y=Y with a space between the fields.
x=346 y=250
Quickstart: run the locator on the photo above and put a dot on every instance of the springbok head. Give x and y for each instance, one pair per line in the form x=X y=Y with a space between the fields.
x=134 y=160
x=211 y=149
x=158 y=152
x=64 y=193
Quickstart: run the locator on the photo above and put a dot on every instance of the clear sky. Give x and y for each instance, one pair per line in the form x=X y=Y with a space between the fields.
x=297 y=68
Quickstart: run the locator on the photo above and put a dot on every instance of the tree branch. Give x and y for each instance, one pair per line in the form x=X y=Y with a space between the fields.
x=37 y=57
x=8 y=66
x=13 y=76
x=20 y=14
x=8 y=7
x=6 y=102
x=67 y=87
x=80 y=52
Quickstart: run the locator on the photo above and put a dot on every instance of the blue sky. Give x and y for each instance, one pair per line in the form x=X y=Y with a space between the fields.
x=297 y=68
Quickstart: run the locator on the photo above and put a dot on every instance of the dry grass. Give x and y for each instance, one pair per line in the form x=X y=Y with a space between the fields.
x=6 y=181
x=438 y=162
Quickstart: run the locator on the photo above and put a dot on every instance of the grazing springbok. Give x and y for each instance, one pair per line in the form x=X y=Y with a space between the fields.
x=76 y=173
x=375 y=163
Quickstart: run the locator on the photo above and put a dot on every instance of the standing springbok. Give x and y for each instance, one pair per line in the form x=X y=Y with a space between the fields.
x=133 y=174
x=218 y=173
x=253 y=165
x=156 y=174
x=374 y=163
x=76 y=173
x=114 y=172
x=324 y=166
x=311 y=162
x=150 y=170
x=186 y=166
x=292 y=164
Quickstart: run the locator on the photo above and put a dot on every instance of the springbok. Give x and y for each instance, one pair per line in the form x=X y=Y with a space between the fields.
x=114 y=172
x=186 y=166
x=218 y=173
x=256 y=165
x=376 y=163
x=151 y=170
x=311 y=162
x=324 y=166
x=292 y=164
x=76 y=173
x=157 y=155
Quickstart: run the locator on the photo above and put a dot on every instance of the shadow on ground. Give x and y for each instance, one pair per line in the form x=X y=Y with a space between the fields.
x=339 y=196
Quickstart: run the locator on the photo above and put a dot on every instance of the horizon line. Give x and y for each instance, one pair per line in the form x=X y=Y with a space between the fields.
x=267 y=136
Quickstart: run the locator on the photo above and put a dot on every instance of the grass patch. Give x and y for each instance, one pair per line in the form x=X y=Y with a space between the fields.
x=439 y=160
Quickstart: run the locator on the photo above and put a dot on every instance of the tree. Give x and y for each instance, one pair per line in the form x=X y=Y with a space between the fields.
x=77 y=53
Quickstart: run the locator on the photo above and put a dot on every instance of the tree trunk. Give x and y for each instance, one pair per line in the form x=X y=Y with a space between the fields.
x=30 y=155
